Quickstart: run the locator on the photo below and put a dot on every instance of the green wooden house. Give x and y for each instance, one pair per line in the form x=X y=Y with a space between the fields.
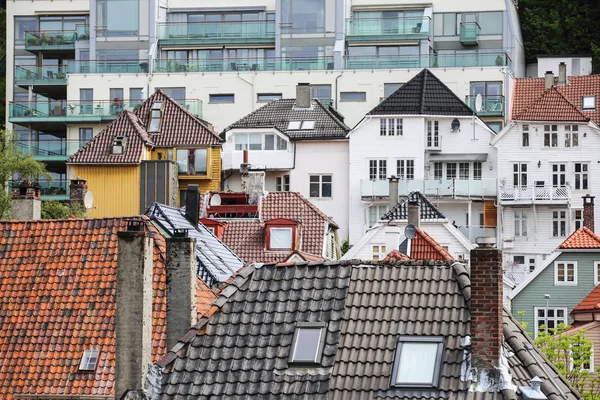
x=568 y=275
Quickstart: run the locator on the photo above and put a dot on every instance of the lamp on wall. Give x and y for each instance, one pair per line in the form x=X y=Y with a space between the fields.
x=539 y=164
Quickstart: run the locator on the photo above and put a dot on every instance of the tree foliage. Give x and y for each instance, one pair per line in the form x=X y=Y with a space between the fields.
x=553 y=27
x=52 y=209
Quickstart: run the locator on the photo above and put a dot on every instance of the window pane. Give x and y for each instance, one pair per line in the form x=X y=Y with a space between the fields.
x=182 y=161
x=307 y=344
x=417 y=363
x=269 y=142
x=255 y=140
x=200 y=161
x=281 y=239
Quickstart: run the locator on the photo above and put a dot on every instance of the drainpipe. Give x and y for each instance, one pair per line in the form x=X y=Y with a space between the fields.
x=336 y=90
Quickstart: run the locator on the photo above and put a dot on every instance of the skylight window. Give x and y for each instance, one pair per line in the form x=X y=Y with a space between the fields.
x=418 y=360
x=294 y=125
x=589 y=102
x=118 y=146
x=307 y=346
x=89 y=360
x=308 y=125
x=155 y=117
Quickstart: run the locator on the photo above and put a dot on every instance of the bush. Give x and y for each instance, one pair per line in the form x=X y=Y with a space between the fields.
x=52 y=209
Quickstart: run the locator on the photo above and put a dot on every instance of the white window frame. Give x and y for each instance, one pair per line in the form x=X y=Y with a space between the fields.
x=380 y=166
x=380 y=211
x=321 y=343
x=291 y=247
x=380 y=253
x=591 y=103
x=578 y=176
x=433 y=135
x=282 y=183
x=551 y=132
x=591 y=369
x=84 y=364
x=578 y=220
x=320 y=183
x=555 y=318
x=571 y=136
x=596 y=275
x=531 y=264
x=402 y=340
x=564 y=266
x=403 y=167
x=558 y=221
x=525 y=137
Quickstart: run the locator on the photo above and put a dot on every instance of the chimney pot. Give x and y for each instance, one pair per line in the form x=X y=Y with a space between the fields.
x=536 y=383
x=414 y=213
x=588 y=211
x=549 y=80
x=77 y=191
x=192 y=204
x=562 y=73
x=393 y=191
x=303 y=95
x=486 y=242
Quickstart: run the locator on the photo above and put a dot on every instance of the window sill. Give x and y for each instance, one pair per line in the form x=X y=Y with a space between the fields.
x=194 y=177
x=565 y=283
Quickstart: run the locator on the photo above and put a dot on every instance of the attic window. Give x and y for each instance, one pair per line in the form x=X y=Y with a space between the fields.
x=280 y=239
x=589 y=102
x=118 y=146
x=89 y=359
x=155 y=117
x=308 y=125
x=293 y=125
x=418 y=361
x=307 y=346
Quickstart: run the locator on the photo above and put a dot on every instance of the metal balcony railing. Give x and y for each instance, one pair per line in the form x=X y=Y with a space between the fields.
x=388 y=28
x=462 y=60
x=207 y=32
x=535 y=194
x=492 y=105
x=469 y=33
x=245 y=64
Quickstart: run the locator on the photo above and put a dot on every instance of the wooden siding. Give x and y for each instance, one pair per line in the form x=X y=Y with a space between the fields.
x=116 y=189
x=561 y=296
x=490 y=214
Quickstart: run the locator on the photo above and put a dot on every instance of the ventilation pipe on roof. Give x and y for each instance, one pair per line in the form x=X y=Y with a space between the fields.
x=562 y=73
x=535 y=391
x=26 y=202
x=549 y=80
x=302 y=95
x=393 y=191
x=588 y=212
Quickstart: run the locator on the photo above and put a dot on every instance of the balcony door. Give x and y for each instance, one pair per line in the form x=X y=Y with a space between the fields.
x=86 y=97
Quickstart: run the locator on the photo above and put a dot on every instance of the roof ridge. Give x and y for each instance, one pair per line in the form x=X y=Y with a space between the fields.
x=229 y=127
x=135 y=121
x=548 y=92
x=579 y=232
x=423 y=87
x=463 y=278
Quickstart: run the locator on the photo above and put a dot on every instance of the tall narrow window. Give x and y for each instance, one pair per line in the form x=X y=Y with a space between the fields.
x=438 y=170
x=405 y=169
x=451 y=171
x=383 y=127
x=85 y=135
x=463 y=170
x=559 y=223
x=581 y=176
x=520 y=175
x=433 y=135
x=477 y=168
x=559 y=175
x=155 y=117
x=578 y=217
x=525 y=139
x=520 y=223
x=550 y=135
x=571 y=135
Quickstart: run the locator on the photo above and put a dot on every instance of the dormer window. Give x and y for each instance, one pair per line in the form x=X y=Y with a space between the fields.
x=307 y=346
x=589 y=102
x=89 y=359
x=418 y=361
x=118 y=146
x=280 y=235
x=155 y=117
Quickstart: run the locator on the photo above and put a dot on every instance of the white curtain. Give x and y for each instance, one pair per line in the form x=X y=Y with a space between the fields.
x=281 y=238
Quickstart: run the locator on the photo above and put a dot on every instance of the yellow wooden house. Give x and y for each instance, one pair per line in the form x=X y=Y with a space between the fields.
x=151 y=154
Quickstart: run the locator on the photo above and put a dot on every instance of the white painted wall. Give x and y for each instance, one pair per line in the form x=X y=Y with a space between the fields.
x=441 y=5
x=551 y=64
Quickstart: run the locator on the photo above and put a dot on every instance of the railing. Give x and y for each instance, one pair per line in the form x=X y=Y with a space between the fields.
x=40 y=40
x=108 y=66
x=490 y=106
x=530 y=194
x=41 y=75
x=431 y=61
x=461 y=188
x=388 y=28
x=47 y=109
x=52 y=189
x=244 y=64
x=469 y=33
x=244 y=31
x=477 y=231
x=50 y=148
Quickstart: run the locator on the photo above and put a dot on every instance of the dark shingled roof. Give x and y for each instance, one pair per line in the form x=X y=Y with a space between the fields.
x=400 y=210
x=424 y=94
x=241 y=349
x=277 y=114
x=215 y=261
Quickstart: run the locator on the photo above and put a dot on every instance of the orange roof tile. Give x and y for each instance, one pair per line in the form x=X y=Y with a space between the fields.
x=395 y=255
x=57 y=299
x=424 y=247
x=528 y=90
x=582 y=238
x=551 y=106
x=590 y=303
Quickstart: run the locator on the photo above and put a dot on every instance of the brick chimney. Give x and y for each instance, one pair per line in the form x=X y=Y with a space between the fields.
x=413 y=210
x=26 y=202
x=192 y=204
x=77 y=191
x=393 y=191
x=253 y=183
x=548 y=80
x=302 y=95
x=486 y=304
x=588 y=212
x=133 y=314
x=181 y=286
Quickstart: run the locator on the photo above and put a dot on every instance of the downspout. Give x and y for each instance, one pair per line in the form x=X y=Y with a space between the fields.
x=336 y=90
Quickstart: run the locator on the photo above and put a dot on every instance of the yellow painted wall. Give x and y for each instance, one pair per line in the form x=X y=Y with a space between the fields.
x=116 y=189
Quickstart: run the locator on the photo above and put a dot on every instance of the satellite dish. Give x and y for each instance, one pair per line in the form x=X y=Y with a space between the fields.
x=215 y=200
x=478 y=102
x=88 y=200
x=410 y=231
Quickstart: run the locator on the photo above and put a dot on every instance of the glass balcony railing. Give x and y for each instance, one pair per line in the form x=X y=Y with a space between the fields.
x=108 y=67
x=41 y=75
x=245 y=64
x=51 y=190
x=455 y=188
x=388 y=28
x=431 y=61
x=50 y=149
x=469 y=33
x=55 y=40
x=492 y=106
x=474 y=231
x=206 y=32
x=67 y=110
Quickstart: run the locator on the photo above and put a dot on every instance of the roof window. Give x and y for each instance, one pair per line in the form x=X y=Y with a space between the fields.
x=301 y=125
x=118 y=146
x=89 y=359
x=418 y=360
x=155 y=117
x=307 y=346
x=589 y=102
x=308 y=125
x=294 y=125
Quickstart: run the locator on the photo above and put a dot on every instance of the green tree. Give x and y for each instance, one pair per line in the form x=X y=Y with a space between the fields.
x=52 y=209
x=16 y=166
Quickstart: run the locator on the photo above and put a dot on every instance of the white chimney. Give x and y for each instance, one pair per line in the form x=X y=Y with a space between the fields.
x=414 y=213
x=392 y=239
x=562 y=73
x=549 y=80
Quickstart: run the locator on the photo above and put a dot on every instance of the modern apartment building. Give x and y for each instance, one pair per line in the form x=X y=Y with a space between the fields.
x=77 y=64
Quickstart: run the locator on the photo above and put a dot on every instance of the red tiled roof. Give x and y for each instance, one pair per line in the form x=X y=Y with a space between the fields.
x=305 y=256
x=590 y=303
x=582 y=238
x=395 y=255
x=424 y=247
x=246 y=237
x=57 y=299
x=551 y=106
x=99 y=149
x=527 y=90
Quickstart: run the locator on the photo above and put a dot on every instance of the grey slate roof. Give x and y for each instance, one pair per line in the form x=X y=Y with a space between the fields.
x=424 y=94
x=215 y=261
x=329 y=124
x=241 y=351
x=400 y=210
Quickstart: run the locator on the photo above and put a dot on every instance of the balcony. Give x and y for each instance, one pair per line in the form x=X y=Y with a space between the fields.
x=460 y=60
x=491 y=106
x=469 y=33
x=108 y=67
x=534 y=195
x=50 y=150
x=477 y=231
x=270 y=159
x=26 y=75
x=47 y=114
x=244 y=64
x=59 y=42
x=230 y=32
x=382 y=29
x=449 y=188
x=51 y=190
